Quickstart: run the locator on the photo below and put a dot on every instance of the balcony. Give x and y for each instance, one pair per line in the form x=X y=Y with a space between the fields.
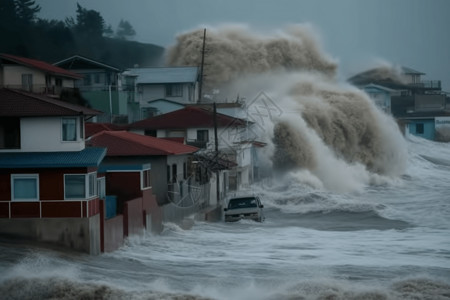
x=427 y=85
x=197 y=143
x=40 y=89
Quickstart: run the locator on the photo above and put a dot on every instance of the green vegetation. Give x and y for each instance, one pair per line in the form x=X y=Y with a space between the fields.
x=24 y=34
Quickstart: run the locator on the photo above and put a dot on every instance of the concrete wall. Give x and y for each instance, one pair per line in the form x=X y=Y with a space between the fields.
x=79 y=234
x=113 y=234
x=133 y=217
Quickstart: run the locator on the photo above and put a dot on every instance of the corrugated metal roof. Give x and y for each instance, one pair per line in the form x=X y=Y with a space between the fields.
x=74 y=62
x=123 y=143
x=15 y=103
x=89 y=157
x=165 y=75
x=41 y=65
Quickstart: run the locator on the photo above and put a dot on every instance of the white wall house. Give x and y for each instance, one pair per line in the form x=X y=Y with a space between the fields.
x=34 y=76
x=176 y=84
x=40 y=124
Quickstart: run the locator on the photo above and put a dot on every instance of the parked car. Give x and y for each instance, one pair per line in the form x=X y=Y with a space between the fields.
x=244 y=207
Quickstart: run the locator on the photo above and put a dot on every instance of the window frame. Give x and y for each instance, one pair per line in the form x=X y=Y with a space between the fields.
x=90 y=186
x=146 y=180
x=75 y=128
x=101 y=187
x=420 y=128
x=174 y=90
x=204 y=134
x=24 y=176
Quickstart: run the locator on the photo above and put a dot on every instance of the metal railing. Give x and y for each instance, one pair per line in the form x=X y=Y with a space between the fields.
x=427 y=84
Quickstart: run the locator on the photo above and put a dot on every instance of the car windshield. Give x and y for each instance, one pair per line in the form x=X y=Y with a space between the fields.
x=242 y=203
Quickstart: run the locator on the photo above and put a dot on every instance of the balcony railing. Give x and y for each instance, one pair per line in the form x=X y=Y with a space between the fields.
x=39 y=88
x=427 y=84
x=197 y=143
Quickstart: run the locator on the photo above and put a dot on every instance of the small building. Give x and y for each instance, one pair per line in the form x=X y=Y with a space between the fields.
x=103 y=88
x=35 y=76
x=196 y=127
x=172 y=177
x=381 y=96
x=176 y=84
x=49 y=181
x=414 y=102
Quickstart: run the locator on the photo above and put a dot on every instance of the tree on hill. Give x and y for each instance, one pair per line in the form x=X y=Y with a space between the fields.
x=88 y=23
x=125 y=30
x=26 y=10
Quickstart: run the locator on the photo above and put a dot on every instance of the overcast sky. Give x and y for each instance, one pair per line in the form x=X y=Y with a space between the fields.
x=412 y=33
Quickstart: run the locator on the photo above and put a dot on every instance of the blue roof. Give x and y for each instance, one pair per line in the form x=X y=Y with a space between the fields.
x=165 y=75
x=89 y=157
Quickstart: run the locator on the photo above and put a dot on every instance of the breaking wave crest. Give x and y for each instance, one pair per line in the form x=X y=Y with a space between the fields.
x=330 y=131
x=235 y=51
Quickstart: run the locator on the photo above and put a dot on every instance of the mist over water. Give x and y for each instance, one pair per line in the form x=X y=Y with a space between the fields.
x=327 y=128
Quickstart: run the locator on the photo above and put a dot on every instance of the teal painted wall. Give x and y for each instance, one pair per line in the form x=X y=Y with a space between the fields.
x=416 y=126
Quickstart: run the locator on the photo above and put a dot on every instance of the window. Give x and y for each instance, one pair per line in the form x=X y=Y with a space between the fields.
x=149 y=132
x=174 y=173
x=69 y=129
x=9 y=133
x=87 y=79
x=174 y=90
x=92 y=185
x=97 y=78
x=146 y=181
x=80 y=186
x=202 y=135
x=27 y=82
x=101 y=187
x=419 y=128
x=82 y=127
x=25 y=187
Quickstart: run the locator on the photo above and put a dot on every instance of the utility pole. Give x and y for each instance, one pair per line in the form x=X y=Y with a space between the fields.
x=200 y=84
x=216 y=148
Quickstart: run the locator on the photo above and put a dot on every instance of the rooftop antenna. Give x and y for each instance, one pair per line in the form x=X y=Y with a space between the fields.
x=200 y=85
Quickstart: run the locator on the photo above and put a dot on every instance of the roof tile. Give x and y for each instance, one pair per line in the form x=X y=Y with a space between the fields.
x=123 y=143
x=188 y=117
x=15 y=103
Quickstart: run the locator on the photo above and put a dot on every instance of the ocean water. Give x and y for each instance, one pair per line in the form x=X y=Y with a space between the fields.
x=389 y=241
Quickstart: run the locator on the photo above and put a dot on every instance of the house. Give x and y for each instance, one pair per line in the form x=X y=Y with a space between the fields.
x=55 y=190
x=177 y=187
x=381 y=96
x=415 y=103
x=196 y=126
x=35 y=76
x=50 y=188
x=103 y=88
x=176 y=84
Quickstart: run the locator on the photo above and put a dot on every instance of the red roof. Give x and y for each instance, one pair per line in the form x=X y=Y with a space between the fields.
x=93 y=128
x=188 y=117
x=14 y=103
x=124 y=143
x=41 y=65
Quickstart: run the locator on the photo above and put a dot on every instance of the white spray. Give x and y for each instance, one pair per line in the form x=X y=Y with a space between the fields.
x=327 y=133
